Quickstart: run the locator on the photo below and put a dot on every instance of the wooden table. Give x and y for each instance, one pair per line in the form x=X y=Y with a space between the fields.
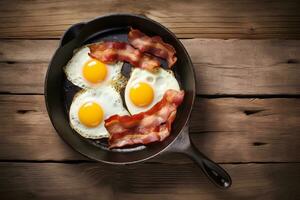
x=247 y=113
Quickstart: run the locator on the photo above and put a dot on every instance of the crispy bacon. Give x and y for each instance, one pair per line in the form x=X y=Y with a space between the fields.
x=146 y=127
x=111 y=52
x=153 y=45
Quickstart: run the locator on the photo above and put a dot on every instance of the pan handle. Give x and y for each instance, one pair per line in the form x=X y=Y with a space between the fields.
x=71 y=33
x=212 y=170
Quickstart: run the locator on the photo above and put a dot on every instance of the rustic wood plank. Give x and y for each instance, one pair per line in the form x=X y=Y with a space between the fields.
x=222 y=66
x=22 y=77
x=209 y=19
x=145 y=181
x=27 y=50
x=226 y=129
x=25 y=122
x=246 y=66
x=256 y=129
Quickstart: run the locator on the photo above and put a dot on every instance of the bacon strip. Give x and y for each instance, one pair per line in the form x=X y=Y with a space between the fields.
x=153 y=45
x=146 y=127
x=111 y=52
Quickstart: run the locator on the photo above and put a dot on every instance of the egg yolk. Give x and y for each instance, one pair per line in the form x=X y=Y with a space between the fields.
x=94 y=71
x=141 y=94
x=90 y=114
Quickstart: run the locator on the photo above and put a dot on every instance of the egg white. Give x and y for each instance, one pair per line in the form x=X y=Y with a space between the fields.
x=110 y=102
x=74 y=68
x=160 y=81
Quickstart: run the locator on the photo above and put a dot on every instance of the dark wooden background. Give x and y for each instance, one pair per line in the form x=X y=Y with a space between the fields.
x=247 y=114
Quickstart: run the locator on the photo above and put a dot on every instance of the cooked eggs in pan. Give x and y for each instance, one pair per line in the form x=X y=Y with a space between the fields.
x=86 y=72
x=90 y=108
x=100 y=97
x=144 y=89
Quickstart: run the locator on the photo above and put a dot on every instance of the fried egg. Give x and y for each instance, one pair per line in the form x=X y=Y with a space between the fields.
x=144 y=89
x=87 y=72
x=91 y=107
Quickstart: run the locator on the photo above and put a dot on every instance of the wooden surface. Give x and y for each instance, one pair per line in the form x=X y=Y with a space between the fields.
x=195 y=18
x=146 y=181
x=246 y=117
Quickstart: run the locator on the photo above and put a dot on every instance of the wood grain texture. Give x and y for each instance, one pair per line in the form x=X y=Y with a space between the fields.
x=247 y=67
x=226 y=129
x=197 y=18
x=145 y=181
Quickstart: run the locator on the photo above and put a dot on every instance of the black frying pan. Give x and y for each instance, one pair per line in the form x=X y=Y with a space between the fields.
x=59 y=93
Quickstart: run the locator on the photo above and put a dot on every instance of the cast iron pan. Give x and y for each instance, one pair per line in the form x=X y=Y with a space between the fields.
x=59 y=93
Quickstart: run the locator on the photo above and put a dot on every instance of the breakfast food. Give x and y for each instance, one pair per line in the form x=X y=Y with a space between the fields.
x=86 y=72
x=146 y=127
x=152 y=94
x=90 y=108
x=153 y=45
x=112 y=52
x=144 y=89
